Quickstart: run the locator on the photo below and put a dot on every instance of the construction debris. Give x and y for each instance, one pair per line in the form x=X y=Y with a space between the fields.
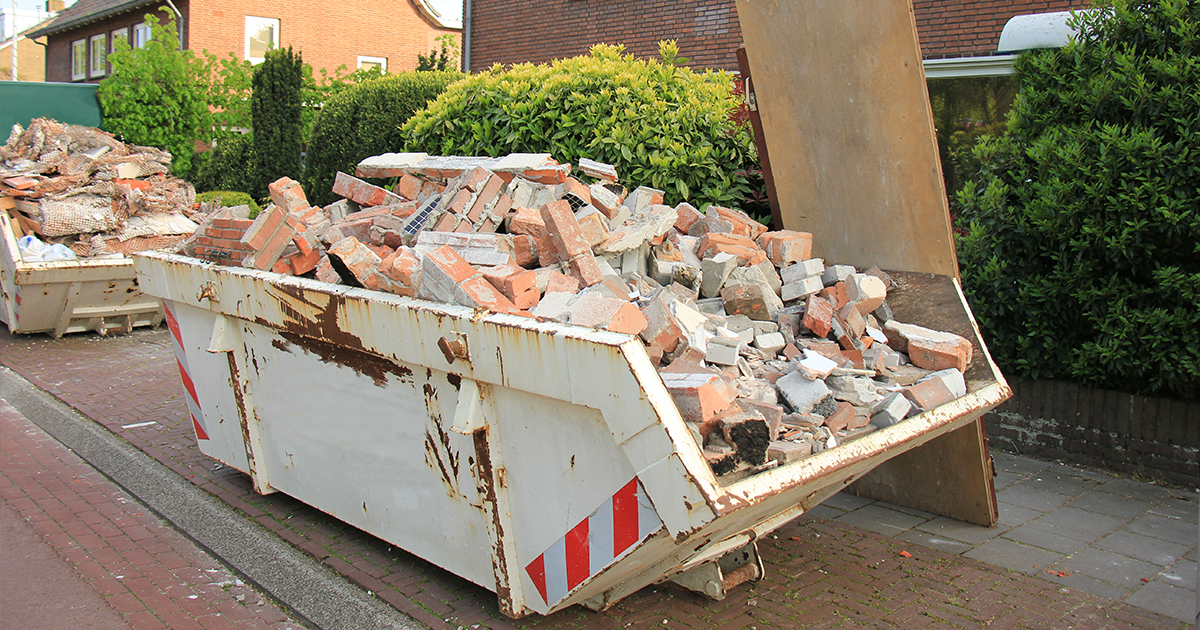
x=770 y=355
x=81 y=188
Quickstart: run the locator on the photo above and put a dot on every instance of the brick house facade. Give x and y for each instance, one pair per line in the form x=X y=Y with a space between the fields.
x=328 y=34
x=708 y=32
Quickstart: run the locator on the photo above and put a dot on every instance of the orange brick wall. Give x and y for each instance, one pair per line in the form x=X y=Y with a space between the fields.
x=708 y=32
x=328 y=34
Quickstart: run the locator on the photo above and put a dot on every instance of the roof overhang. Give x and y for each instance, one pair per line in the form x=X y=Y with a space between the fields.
x=66 y=22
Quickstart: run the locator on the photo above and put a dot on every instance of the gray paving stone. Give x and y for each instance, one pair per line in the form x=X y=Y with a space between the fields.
x=1049 y=537
x=1004 y=479
x=907 y=510
x=1167 y=600
x=1087 y=584
x=1017 y=464
x=1152 y=550
x=1084 y=473
x=1014 y=555
x=1032 y=498
x=968 y=533
x=1181 y=574
x=1062 y=484
x=1180 y=508
x=880 y=520
x=1111 y=505
x=1164 y=528
x=1014 y=515
x=846 y=501
x=1109 y=567
x=1136 y=489
x=931 y=541
x=1082 y=521
x=822 y=512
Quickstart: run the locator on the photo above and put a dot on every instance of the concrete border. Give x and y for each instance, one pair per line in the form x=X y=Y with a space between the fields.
x=313 y=591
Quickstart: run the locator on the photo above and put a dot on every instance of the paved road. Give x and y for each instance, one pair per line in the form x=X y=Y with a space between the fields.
x=825 y=569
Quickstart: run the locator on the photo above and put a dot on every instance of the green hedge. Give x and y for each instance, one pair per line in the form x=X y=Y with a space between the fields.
x=660 y=124
x=229 y=166
x=363 y=121
x=1080 y=245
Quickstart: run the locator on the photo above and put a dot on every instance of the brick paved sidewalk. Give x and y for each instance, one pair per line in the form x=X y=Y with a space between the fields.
x=820 y=574
x=143 y=569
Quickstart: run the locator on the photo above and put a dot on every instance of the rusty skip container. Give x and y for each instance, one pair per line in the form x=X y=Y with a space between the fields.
x=543 y=461
x=70 y=296
x=548 y=462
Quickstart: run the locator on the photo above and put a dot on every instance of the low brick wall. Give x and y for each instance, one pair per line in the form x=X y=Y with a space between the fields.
x=1147 y=437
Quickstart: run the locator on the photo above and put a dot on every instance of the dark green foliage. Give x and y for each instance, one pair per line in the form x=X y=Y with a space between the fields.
x=363 y=121
x=275 y=108
x=1081 y=250
x=229 y=166
x=230 y=198
x=661 y=125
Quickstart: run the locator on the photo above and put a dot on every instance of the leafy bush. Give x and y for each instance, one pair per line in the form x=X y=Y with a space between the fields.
x=660 y=124
x=1081 y=252
x=445 y=59
x=153 y=96
x=363 y=121
x=229 y=166
x=275 y=106
x=230 y=198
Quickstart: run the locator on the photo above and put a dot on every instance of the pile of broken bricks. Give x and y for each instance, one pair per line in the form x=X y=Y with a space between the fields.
x=769 y=355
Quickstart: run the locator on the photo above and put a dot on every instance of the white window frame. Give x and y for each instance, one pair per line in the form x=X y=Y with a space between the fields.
x=381 y=61
x=120 y=33
x=98 y=63
x=79 y=57
x=141 y=35
x=253 y=23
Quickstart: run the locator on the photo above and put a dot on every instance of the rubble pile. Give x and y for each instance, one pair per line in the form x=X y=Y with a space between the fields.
x=769 y=354
x=84 y=189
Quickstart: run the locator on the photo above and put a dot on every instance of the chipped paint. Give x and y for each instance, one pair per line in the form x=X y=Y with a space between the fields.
x=372 y=366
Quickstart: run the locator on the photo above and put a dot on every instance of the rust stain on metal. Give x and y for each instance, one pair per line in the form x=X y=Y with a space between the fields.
x=325 y=325
x=243 y=414
x=439 y=453
x=364 y=364
x=281 y=344
x=455 y=380
x=487 y=487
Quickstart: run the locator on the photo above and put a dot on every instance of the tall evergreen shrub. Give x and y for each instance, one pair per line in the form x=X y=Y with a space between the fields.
x=275 y=107
x=365 y=120
x=1081 y=253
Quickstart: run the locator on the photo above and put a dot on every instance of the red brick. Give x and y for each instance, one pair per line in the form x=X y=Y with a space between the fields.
x=561 y=282
x=818 y=315
x=785 y=247
x=408 y=187
x=479 y=293
x=564 y=230
x=747 y=251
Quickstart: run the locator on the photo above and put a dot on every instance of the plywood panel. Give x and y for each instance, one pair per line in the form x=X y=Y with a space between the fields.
x=841 y=91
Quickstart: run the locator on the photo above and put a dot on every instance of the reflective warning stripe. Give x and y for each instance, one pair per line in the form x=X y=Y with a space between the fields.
x=594 y=543
x=193 y=402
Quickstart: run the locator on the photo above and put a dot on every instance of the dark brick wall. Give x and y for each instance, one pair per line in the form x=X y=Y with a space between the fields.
x=1155 y=438
x=58 y=47
x=708 y=33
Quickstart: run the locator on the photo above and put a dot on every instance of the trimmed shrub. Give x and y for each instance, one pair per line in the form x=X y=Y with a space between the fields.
x=363 y=121
x=660 y=124
x=229 y=166
x=1080 y=245
x=275 y=107
x=230 y=198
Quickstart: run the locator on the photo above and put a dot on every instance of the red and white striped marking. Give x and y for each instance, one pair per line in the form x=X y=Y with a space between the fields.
x=192 y=401
x=614 y=528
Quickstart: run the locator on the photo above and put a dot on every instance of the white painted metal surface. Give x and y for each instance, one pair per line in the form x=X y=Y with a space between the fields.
x=69 y=296
x=546 y=462
x=1038 y=30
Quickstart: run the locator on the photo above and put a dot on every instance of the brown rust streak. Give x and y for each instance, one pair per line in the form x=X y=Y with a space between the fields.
x=433 y=454
x=243 y=416
x=487 y=487
x=363 y=363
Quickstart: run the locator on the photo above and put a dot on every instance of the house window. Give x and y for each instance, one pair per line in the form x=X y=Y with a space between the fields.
x=141 y=35
x=119 y=35
x=262 y=34
x=368 y=63
x=79 y=60
x=99 y=55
